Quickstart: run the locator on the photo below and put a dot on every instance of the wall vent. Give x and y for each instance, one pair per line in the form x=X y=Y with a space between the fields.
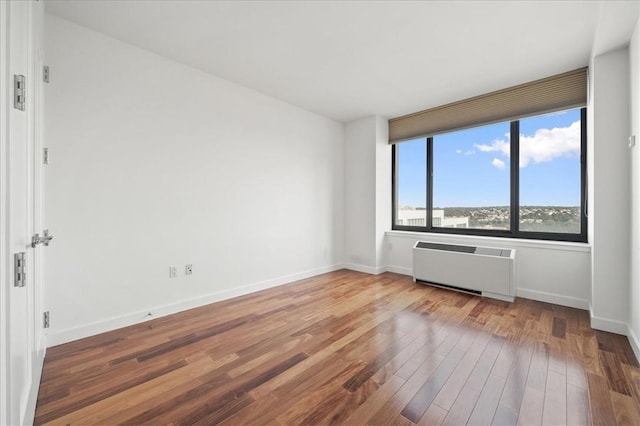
x=489 y=271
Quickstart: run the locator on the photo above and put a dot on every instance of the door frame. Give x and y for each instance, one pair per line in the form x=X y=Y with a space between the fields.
x=36 y=174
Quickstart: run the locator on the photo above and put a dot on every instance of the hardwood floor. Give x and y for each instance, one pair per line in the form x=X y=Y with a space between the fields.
x=348 y=348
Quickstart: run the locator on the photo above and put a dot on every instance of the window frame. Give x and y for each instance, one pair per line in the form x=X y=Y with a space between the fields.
x=514 y=206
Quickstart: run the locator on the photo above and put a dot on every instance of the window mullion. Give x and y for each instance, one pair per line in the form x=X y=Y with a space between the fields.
x=429 y=183
x=514 y=145
x=394 y=190
x=583 y=174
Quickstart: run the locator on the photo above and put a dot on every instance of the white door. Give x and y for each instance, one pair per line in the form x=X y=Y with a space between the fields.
x=22 y=334
x=20 y=319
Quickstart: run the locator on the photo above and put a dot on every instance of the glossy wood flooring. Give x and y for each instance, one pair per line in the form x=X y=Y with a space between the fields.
x=348 y=348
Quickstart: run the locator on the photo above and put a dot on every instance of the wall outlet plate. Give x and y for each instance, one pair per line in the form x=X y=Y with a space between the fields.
x=188 y=269
x=173 y=272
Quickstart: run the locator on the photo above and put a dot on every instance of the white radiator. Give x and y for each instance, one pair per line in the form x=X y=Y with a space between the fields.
x=488 y=271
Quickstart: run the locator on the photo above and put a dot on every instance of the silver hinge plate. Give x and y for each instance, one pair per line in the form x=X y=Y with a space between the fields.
x=45 y=155
x=19 y=92
x=45 y=73
x=45 y=239
x=45 y=319
x=19 y=270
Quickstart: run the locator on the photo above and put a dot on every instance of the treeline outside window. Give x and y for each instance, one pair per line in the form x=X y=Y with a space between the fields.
x=467 y=182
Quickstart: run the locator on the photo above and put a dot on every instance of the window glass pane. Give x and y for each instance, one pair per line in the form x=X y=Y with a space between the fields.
x=550 y=173
x=411 y=183
x=471 y=178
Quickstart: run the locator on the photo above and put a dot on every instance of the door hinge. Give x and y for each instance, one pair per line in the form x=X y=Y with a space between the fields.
x=19 y=92
x=45 y=73
x=45 y=239
x=19 y=270
x=45 y=155
x=45 y=319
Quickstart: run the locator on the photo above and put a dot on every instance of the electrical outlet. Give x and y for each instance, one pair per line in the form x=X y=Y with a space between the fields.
x=188 y=269
x=173 y=272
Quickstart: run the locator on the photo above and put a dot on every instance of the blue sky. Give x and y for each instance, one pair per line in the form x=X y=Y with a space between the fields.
x=471 y=167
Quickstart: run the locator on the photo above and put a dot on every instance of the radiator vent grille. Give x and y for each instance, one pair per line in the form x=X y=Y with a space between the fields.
x=447 y=247
x=452 y=287
x=487 y=251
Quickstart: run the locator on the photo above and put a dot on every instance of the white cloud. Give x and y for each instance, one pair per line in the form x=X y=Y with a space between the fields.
x=544 y=145
x=470 y=152
x=497 y=145
x=498 y=163
x=458 y=151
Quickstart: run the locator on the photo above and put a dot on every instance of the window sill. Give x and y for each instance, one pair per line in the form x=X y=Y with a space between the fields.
x=492 y=241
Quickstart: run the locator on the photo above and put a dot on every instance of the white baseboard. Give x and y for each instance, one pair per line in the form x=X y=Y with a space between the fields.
x=366 y=269
x=36 y=374
x=606 y=324
x=557 y=299
x=97 y=327
x=634 y=342
x=400 y=270
x=541 y=296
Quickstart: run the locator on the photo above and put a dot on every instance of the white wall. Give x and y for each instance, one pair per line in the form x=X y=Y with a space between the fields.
x=360 y=194
x=367 y=193
x=155 y=164
x=383 y=188
x=611 y=173
x=553 y=272
x=634 y=294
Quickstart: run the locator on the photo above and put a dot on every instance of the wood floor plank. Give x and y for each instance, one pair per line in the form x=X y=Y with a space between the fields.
x=613 y=372
x=123 y=405
x=484 y=366
x=420 y=402
x=388 y=412
x=577 y=405
x=362 y=414
x=515 y=385
x=633 y=377
x=449 y=392
x=462 y=407
x=434 y=415
x=487 y=404
x=559 y=328
x=321 y=402
x=555 y=399
x=416 y=408
x=600 y=401
x=348 y=348
x=625 y=408
x=530 y=412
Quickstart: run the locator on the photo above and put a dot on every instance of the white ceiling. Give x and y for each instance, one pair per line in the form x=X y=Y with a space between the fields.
x=347 y=60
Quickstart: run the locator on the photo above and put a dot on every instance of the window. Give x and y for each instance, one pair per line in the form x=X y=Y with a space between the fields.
x=465 y=182
x=470 y=189
x=550 y=173
x=411 y=184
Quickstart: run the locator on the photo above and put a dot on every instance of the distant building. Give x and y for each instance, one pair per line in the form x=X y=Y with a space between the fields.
x=413 y=217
